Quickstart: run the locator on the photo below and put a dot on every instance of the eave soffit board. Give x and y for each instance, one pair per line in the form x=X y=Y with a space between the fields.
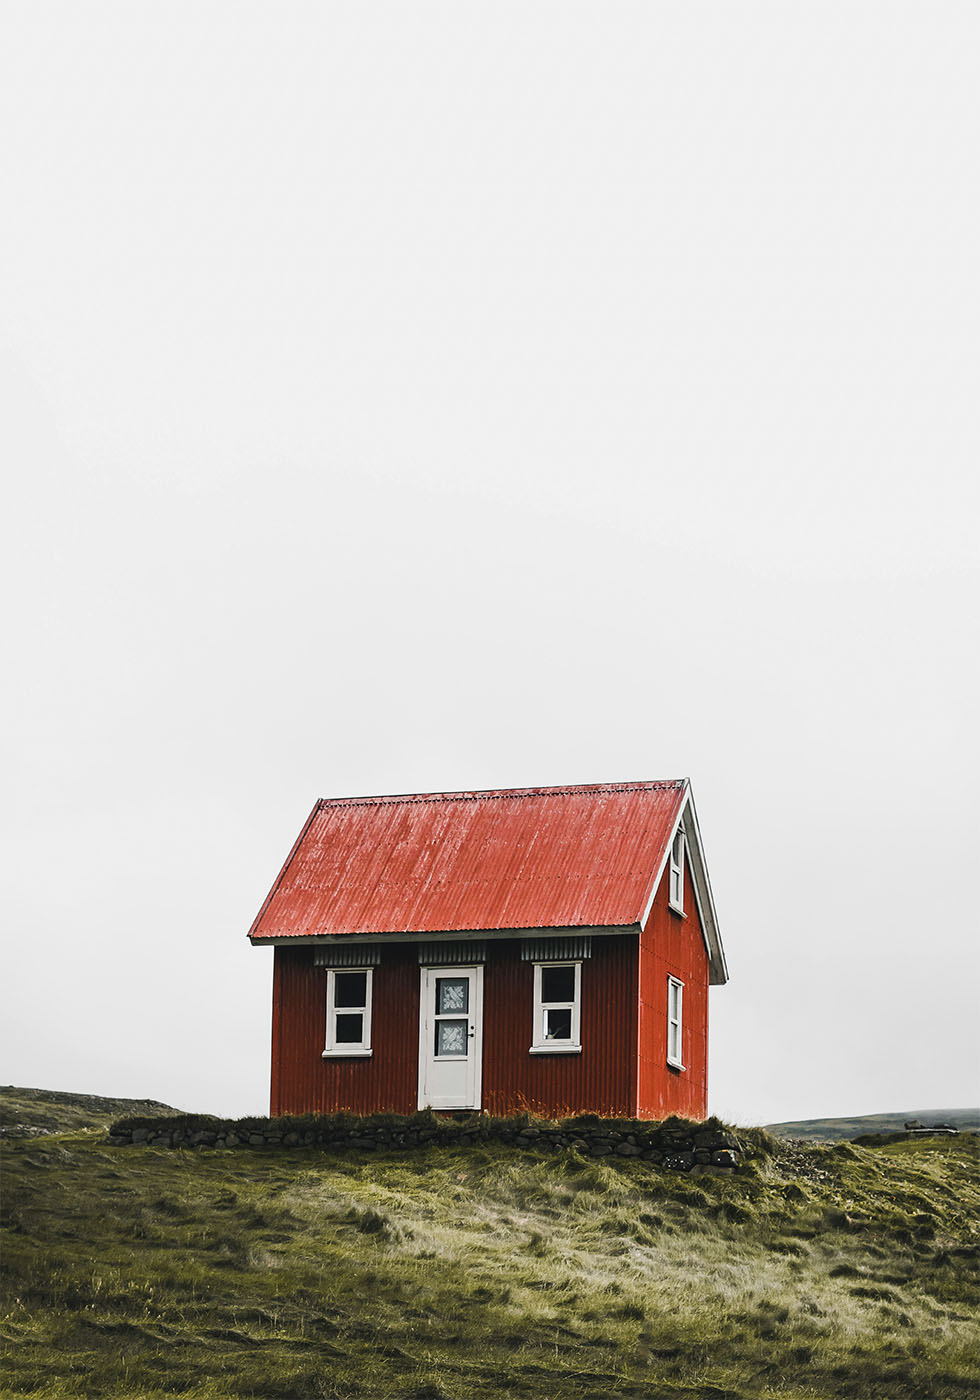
x=447 y=935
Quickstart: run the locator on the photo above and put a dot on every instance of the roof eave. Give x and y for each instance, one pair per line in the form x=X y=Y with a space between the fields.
x=413 y=936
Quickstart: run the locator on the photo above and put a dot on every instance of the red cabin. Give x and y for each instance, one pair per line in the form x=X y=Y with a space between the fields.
x=547 y=949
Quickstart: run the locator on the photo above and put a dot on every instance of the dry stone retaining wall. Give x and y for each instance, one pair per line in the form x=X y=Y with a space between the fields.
x=675 y=1144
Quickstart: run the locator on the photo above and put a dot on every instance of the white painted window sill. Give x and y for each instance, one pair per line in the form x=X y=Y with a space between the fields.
x=676 y=909
x=347 y=1054
x=563 y=1049
x=672 y=1064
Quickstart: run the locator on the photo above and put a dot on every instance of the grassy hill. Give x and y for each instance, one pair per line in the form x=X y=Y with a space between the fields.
x=811 y=1273
x=39 y=1112
x=846 y=1129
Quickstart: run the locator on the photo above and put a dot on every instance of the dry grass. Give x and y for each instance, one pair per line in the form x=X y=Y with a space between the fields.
x=453 y=1272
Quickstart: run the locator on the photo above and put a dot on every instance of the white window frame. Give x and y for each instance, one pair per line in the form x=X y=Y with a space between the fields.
x=540 y=1045
x=675 y=1022
x=675 y=887
x=347 y=1049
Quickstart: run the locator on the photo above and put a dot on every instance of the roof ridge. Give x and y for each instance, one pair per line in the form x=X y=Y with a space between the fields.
x=564 y=790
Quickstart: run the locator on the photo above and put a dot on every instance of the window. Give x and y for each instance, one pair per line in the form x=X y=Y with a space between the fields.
x=675 y=1023
x=348 y=1011
x=557 y=1008
x=676 y=891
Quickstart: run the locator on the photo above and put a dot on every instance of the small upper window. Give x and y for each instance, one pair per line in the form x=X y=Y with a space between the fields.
x=676 y=891
x=557 y=1008
x=348 y=1011
x=675 y=1023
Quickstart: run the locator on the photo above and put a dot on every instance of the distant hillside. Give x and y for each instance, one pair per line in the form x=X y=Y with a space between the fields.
x=488 y=1272
x=28 y=1113
x=845 y=1129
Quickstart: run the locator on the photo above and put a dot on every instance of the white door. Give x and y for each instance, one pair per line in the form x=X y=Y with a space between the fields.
x=450 y=1037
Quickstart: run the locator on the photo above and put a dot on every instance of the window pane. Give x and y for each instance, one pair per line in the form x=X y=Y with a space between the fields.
x=349 y=1030
x=350 y=989
x=452 y=994
x=557 y=984
x=558 y=1025
x=451 y=1037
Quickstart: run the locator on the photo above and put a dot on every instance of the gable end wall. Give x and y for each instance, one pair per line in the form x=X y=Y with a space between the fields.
x=673 y=945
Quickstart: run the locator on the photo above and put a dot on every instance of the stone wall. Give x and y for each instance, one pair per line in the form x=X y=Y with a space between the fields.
x=675 y=1145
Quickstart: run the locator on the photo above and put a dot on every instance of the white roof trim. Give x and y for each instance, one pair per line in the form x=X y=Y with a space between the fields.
x=688 y=818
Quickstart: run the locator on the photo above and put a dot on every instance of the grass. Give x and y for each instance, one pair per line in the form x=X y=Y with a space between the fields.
x=488 y=1271
x=38 y=1112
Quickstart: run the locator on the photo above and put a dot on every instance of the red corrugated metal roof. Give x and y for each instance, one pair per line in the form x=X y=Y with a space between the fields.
x=562 y=857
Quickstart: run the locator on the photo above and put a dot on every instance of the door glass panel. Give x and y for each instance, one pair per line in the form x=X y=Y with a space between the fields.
x=350 y=989
x=349 y=1028
x=451 y=1037
x=452 y=994
x=557 y=984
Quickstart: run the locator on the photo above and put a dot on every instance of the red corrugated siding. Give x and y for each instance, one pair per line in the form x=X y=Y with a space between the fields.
x=602 y=1079
x=517 y=859
x=599 y=1080
x=674 y=945
x=303 y=1082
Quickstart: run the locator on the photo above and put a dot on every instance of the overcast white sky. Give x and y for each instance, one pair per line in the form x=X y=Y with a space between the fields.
x=420 y=396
